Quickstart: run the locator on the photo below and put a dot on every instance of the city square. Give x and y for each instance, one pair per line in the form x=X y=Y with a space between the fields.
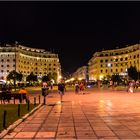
x=98 y=114
x=69 y=70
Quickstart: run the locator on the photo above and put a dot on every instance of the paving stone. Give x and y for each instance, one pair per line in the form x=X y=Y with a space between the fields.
x=125 y=134
x=104 y=133
x=10 y=135
x=45 y=135
x=25 y=135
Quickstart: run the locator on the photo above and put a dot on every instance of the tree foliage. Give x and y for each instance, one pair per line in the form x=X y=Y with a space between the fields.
x=116 y=78
x=45 y=79
x=133 y=73
x=31 y=77
x=13 y=75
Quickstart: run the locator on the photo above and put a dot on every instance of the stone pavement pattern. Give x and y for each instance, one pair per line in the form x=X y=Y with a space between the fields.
x=97 y=115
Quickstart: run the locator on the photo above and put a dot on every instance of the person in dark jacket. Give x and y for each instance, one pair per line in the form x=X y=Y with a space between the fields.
x=61 y=89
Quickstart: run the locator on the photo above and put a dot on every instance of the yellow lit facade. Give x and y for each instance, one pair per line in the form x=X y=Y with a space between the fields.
x=115 y=61
x=26 y=60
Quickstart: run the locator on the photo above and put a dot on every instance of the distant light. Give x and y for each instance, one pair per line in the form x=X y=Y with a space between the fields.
x=109 y=64
x=60 y=77
x=79 y=78
x=101 y=77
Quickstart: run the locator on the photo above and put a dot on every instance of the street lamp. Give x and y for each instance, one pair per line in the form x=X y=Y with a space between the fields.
x=15 y=66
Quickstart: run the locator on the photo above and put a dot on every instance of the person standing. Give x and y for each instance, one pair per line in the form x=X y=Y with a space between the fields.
x=76 y=88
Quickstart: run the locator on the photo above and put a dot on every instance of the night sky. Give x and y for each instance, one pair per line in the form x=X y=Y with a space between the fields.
x=74 y=30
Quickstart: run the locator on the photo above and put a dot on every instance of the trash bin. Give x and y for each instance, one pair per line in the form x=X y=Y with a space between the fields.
x=45 y=91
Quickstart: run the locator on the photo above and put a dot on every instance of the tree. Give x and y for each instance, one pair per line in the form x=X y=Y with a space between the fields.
x=132 y=73
x=116 y=78
x=45 y=79
x=13 y=75
x=31 y=77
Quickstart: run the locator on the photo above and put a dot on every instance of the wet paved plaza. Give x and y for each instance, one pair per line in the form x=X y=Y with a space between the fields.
x=96 y=115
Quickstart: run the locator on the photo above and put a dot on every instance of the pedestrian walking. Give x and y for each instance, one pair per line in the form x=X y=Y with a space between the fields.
x=131 y=87
x=61 y=90
x=82 y=88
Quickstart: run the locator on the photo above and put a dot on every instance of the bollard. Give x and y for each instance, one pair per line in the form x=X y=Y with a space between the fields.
x=4 y=119
x=39 y=99
x=34 y=101
x=14 y=100
x=18 y=110
x=44 y=100
x=28 y=105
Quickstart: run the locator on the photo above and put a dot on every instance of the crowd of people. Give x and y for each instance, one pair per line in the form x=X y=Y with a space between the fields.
x=79 y=88
x=131 y=85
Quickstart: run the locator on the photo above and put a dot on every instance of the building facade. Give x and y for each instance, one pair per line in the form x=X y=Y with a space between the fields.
x=26 y=60
x=117 y=61
x=81 y=73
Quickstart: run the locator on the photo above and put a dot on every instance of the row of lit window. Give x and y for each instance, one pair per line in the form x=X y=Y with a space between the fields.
x=7 y=66
x=8 y=60
x=120 y=64
x=3 y=71
x=119 y=53
x=7 y=55
x=36 y=68
x=121 y=59
x=35 y=72
x=121 y=70
x=37 y=63
x=39 y=58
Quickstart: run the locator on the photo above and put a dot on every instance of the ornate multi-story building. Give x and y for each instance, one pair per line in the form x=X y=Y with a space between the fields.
x=26 y=60
x=81 y=73
x=109 y=62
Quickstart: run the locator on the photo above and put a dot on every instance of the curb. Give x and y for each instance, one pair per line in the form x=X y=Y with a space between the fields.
x=16 y=123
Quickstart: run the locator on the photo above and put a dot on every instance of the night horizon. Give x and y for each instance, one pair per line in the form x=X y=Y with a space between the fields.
x=74 y=30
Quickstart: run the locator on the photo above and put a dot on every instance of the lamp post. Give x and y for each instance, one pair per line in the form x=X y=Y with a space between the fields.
x=15 y=66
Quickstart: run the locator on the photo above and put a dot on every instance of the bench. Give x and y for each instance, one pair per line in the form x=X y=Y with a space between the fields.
x=9 y=96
